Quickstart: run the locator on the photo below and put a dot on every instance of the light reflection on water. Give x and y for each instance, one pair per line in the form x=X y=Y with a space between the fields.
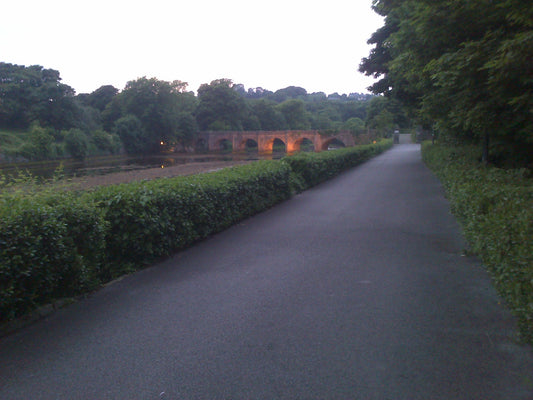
x=109 y=164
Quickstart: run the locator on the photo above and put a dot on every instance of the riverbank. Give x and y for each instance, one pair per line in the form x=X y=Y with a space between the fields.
x=114 y=178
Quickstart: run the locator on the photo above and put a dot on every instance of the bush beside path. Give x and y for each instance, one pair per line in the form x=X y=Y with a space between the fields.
x=56 y=244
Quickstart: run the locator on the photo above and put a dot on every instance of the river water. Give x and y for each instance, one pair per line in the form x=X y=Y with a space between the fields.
x=108 y=164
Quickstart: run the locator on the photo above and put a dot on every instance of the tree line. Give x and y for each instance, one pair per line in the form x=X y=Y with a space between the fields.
x=460 y=68
x=150 y=115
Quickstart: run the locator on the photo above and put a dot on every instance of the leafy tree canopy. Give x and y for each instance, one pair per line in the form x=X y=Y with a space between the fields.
x=150 y=115
x=77 y=143
x=34 y=94
x=295 y=114
x=462 y=67
x=220 y=106
x=159 y=106
x=100 y=98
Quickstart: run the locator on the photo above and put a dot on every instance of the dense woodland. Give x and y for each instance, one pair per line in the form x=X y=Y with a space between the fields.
x=462 y=69
x=52 y=121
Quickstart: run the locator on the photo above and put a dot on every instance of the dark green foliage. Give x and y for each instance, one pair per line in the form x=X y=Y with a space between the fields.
x=355 y=125
x=461 y=67
x=77 y=144
x=224 y=105
x=150 y=219
x=288 y=93
x=50 y=248
x=130 y=131
x=106 y=142
x=186 y=128
x=385 y=115
x=34 y=94
x=295 y=114
x=39 y=145
x=59 y=243
x=159 y=106
x=495 y=208
x=269 y=117
x=101 y=97
x=220 y=107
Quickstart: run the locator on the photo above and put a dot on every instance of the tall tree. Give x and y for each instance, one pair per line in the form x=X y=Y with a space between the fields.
x=131 y=132
x=288 y=93
x=464 y=66
x=34 y=94
x=270 y=118
x=158 y=105
x=101 y=97
x=295 y=114
x=220 y=107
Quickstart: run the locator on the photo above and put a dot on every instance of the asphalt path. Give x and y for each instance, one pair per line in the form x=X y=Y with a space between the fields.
x=355 y=289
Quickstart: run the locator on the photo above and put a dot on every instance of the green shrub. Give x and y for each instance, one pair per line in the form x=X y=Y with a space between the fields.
x=150 y=219
x=39 y=146
x=77 y=144
x=60 y=243
x=313 y=168
x=131 y=133
x=104 y=141
x=495 y=208
x=50 y=246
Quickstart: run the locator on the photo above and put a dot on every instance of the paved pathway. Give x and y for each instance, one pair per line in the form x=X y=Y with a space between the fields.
x=356 y=289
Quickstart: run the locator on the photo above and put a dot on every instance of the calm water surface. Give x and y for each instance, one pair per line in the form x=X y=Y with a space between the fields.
x=108 y=164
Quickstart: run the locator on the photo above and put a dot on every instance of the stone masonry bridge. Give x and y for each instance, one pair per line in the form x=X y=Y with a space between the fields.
x=264 y=140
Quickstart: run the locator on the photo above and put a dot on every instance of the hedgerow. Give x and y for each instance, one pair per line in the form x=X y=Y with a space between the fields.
x=51 y=246
x=314 y=168
x=62 y=243
x=495 y=208
x=150 y=219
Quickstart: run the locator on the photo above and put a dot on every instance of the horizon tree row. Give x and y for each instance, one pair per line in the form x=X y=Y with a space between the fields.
x=149 y=111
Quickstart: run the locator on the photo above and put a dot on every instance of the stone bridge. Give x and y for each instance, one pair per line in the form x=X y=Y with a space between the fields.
x=264 y=140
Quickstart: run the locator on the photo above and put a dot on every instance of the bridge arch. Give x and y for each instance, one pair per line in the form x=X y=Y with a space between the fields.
x=304 y=144
x=248 y=145
x=202 y=146
x=291 y=140
x=333 y=143
x=277 y=145
x=224 y=144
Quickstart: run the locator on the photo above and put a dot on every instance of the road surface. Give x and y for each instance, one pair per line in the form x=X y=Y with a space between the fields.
x=355 y=289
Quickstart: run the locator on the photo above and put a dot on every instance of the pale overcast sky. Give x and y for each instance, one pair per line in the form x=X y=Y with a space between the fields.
x=271 y=44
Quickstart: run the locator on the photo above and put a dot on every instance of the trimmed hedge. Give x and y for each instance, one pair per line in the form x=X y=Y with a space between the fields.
x=50 y=247
x=57 y=244
x=151 y=219
x=314 y=168
x=495 y=208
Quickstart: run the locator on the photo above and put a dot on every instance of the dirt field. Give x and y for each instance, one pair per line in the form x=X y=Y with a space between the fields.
x=87 y=182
